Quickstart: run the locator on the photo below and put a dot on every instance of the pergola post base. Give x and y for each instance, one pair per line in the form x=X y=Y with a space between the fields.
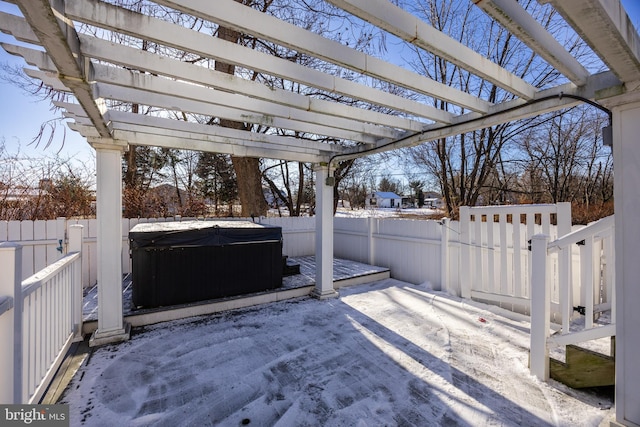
x=324 y=295
x=99 y=337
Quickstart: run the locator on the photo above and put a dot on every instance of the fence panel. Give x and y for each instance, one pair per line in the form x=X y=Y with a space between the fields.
x=351 y=238
x=26 y=235
x=39 y=251
x=453 y=263
x=497 y=255
x=410 y=248
x=298 y=234
x=4 y=231
x=43 y=319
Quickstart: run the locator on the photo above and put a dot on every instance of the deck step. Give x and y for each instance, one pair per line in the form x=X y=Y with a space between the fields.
x=584 y=368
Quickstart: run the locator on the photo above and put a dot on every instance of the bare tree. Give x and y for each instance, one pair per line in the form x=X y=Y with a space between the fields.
x=566 y=161
x=43 y=187
x=471 y=168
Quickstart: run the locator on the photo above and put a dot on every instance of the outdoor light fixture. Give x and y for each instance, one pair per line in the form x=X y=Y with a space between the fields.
x=607 y=136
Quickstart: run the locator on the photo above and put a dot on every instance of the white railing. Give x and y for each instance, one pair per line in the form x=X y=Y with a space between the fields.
x=39 y=319
x=593 y=288
x=494 y=249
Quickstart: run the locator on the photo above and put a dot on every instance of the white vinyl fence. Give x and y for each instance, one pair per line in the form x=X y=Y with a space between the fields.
x=416 y=251
x=40 y=317
x=44 y=242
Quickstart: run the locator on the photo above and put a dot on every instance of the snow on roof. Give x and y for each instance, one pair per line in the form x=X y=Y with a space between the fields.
x=386 y=195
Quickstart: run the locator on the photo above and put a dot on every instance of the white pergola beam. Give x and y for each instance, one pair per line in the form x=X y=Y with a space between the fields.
x=391 y=18
x=57 y=35
x=521 y=24
x=502 y=113
x=36 y=58
x=18 y=27
x=212 y=144
x=209 y=143
x=607 y=29
x=229 y=13
x=74 y=109
x=48 y=78
x=140 y=26
x=121 y=77
x=141 y=60
x=147 y=90
x=130 y=121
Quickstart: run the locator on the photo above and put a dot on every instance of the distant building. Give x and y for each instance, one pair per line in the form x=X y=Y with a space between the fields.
x=433 y=200
x=383 y=199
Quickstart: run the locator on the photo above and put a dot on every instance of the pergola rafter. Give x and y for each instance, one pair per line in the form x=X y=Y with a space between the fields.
x=147 y=78
x=389 y=107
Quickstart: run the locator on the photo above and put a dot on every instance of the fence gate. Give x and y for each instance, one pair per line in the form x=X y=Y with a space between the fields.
x=494 y=248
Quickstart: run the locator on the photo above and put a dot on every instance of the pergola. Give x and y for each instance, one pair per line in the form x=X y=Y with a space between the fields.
x=95 y=70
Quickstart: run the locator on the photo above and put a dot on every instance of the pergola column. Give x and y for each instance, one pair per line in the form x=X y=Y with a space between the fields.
x=111 y=327
x=324 y=233
x=626 y=160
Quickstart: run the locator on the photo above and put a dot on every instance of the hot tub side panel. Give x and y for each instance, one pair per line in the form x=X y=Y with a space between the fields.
x=177 y=275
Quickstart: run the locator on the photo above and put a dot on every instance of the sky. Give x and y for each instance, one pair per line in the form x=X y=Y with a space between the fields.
x=22 y=115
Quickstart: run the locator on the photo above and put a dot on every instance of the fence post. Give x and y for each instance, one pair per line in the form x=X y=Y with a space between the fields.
x=540 y=301
x=75 y=245
x=370 y=247
x=586 y=280
x=465 y=252
x=444 y=255
x=569 y=294
x=11 y=357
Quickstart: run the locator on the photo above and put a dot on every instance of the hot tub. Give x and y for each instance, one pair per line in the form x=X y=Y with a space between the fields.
x=182 y=262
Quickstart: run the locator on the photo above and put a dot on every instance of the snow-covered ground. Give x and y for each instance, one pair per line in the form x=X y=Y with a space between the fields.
x=382 y=354
x=384 y=213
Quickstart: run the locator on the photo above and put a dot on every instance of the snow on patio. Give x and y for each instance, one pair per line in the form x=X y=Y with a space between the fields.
x=383 y=354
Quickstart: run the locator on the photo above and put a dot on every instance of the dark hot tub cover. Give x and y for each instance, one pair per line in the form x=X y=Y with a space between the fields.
x=201 y=233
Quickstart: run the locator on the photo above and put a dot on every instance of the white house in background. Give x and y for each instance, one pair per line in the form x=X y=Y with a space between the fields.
x=383 y=199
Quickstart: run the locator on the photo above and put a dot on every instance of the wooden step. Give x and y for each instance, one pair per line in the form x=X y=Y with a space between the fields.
x=584 y=368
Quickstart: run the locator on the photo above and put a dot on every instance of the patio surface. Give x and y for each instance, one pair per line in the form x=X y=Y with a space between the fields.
x=382 y=354
x=343 y=271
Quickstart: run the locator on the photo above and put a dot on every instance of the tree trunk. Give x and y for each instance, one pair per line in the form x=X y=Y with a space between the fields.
x=247 y=169
x=250 y=186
